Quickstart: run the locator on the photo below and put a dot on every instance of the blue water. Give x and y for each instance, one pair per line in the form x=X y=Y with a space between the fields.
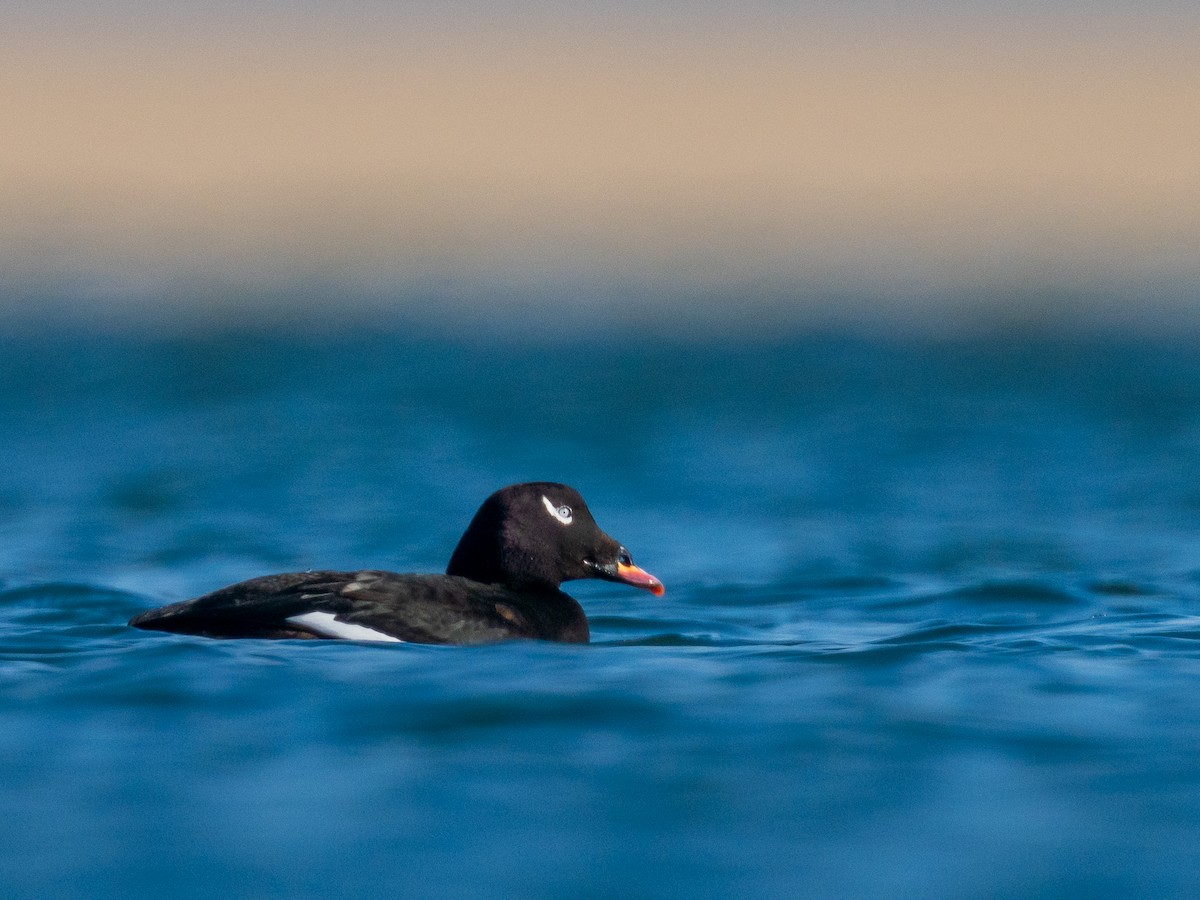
x=931 y=625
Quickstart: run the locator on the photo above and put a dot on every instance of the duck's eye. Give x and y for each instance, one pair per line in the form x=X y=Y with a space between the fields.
x=624 y=558
x=562 y=513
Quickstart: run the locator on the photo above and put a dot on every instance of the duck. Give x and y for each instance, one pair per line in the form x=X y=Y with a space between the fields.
x=502 y=583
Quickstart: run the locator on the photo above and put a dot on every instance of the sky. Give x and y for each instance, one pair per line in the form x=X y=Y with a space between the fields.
x=767 y=166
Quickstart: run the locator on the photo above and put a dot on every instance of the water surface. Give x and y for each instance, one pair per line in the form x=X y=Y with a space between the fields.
x=930 y=630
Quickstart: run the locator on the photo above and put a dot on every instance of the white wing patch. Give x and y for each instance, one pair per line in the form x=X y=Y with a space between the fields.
x=562 y=513
x=327 y=625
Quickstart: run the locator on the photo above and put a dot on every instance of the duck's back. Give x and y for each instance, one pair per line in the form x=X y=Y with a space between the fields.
x=374 y=605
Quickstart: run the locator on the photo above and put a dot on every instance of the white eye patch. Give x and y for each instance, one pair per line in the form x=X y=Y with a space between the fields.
x=562 y=513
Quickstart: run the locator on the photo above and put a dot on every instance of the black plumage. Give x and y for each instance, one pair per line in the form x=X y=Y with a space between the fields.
x=502 y=583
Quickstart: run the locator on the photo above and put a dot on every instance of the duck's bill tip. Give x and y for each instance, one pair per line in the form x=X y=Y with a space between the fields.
x=640 y=578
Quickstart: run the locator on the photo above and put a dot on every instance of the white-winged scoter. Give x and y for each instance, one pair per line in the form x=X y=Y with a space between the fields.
x=502 y=583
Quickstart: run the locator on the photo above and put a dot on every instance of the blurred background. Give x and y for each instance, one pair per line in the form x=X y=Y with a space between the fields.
x=869 y=327
x=670 y=165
